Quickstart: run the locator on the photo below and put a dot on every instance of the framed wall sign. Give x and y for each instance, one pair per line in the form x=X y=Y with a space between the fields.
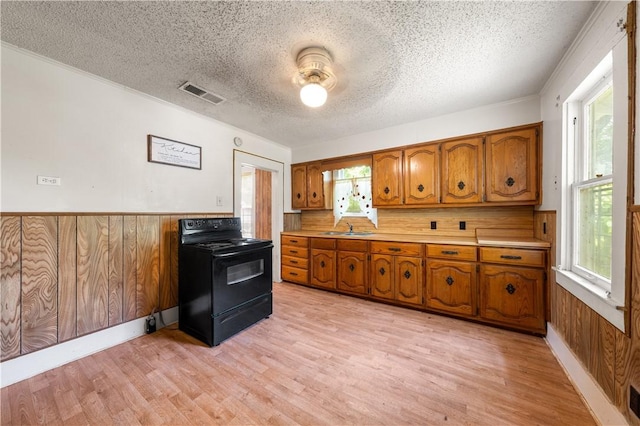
x=167 y=151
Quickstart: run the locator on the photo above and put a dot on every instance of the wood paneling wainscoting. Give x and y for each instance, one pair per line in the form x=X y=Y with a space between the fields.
x=67 y=275
x=610 y=356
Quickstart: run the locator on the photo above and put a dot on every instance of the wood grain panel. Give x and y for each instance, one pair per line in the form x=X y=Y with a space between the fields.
x=544 y=228
x=167 y=297
x=263 y=212
x=603 y=354
x=130 y=274
x=10 y=266
x=418 y=221
x=39 y=320
x=174 y=261
x=93 y=273
x=67 y=278
x=116 y=269
x=148 y=265
x=292 y=222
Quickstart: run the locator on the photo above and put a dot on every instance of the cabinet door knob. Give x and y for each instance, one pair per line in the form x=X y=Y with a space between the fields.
x=510 y=288
x=386 y=190
x=314 y=195
x=382 y=271
x=449 y=280
x=420 y=188
x=510 y=181
x=298 y=195
x=322 y=263
x=407 y=274
x=461 y=185
x=351 y=267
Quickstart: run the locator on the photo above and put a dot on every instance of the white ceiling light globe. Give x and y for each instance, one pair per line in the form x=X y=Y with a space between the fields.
x=313 y=95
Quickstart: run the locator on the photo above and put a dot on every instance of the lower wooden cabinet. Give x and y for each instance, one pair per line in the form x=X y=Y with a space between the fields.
x=397 y=278
x=451 y=286
x=504 y=286
x=513 y=296
x=323 y=262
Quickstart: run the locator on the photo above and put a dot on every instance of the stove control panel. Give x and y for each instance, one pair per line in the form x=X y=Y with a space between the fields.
x=211 y=224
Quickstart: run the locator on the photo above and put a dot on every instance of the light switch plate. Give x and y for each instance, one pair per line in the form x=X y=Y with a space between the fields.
x=49 y=180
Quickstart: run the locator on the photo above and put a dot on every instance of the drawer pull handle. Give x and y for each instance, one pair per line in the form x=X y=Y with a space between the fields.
x=322 y=263
x=382 y=271
x=449 y=280
x=449 y=252
x=510 y=257
x=294 y=274
x=510 y=288
x=351 y=267
x=294 y=241
x=407 y=274
x=293 y=251
x=295 y=262
x=394 y=249
x=420 y=188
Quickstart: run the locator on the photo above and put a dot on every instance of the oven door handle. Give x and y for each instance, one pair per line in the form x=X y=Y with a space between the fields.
x=236 y=253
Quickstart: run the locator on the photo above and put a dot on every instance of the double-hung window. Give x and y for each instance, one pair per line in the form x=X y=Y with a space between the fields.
x=593 y=247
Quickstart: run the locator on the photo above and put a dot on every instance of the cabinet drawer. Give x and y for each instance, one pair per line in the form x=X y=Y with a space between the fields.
x=295 y=275
x=511 y=256
x=404 y=249
x=295 y=251
x=323 y=243
x=296 y=262
x=352 y=245
x=444 y=251
x=295 y=241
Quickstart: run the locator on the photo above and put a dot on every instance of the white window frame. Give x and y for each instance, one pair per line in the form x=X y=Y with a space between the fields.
x=601 y=295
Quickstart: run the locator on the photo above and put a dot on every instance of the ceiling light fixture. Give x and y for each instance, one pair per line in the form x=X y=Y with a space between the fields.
x=314 y=76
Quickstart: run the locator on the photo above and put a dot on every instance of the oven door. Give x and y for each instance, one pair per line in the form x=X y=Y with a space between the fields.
x=241 y=277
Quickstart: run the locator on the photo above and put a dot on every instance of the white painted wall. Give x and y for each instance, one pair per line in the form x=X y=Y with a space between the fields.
x=497 y=116
x=92 y=133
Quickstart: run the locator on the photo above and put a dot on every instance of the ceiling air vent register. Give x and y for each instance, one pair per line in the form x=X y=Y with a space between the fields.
x=201 y=93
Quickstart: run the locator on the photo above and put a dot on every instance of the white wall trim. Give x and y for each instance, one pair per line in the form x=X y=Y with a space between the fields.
x=601 y=408
x=29 y=365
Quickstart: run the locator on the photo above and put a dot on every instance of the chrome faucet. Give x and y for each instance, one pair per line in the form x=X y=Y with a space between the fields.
x=350 y=228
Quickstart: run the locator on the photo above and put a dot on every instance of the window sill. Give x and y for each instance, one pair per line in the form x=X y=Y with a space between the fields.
x=593 y=296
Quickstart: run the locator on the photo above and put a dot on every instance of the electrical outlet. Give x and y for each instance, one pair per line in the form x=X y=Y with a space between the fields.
x=463 y=225
x=634 y=401
x=434 y=225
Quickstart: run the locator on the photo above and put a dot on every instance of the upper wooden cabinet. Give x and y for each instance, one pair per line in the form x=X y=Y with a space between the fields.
x=421 y=175
x=307 y=186
x=512 y=165
x=386 y=179
x=462 y=171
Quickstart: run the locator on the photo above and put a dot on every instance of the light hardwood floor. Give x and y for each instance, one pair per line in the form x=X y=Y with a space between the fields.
x=321 y=358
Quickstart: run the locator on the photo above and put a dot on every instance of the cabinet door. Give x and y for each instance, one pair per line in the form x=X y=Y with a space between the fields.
x=451 y=286
x=298 y=187
x=382 y=284
x=315 y=187
x=408 y=279
x=352 y=268
x=512 y=296
x=323 y=268
x=512 y=166
x=386 y=178
x=421 y=174
x=462 y=171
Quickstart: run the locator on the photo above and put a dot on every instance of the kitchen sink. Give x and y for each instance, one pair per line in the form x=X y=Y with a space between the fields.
x=347 y=233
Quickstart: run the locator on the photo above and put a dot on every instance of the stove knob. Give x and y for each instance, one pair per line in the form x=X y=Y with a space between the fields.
x=190 y=224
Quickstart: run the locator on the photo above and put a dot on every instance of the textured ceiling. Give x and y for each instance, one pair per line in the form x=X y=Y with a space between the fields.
x=396 y=62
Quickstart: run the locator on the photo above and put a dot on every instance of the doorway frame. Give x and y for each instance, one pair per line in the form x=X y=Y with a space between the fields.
x=276 y=168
